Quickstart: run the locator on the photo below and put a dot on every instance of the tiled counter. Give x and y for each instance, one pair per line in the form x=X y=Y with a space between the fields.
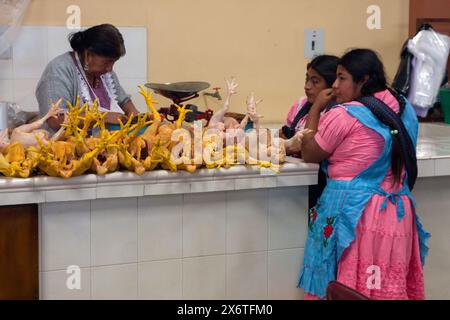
x=433 y=150
x=215 y=234
x=432 y=195
x=44 y=189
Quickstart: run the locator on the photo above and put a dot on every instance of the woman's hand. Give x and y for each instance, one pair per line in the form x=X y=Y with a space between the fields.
x=294 y=144
x=130 y=109
x=113 y=118
x=323 y=98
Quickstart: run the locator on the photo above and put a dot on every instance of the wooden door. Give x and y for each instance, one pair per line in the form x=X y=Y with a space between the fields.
x=434 y=12
x=19 y=256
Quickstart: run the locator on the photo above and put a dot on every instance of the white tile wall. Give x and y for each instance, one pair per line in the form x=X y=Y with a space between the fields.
x=130 y=85
x=58 y=42
x=30 y=52
x=54 y=287
x=247 y=220
x=426 y=168
x=204 y=277
x=160 y=280
x=249 y=183
x=24 y=94
x=442 y=167
x=66 y=235
x=134 y=64
x=115 y=282
x=247 y=276
x=287 y=217
x=160 y=227
x=114 y=231
x=6 y=90
x=204 y=227
x=37 y=45
x=435 y=217
x=6 y=69
x=284 y=271
x=196 y=246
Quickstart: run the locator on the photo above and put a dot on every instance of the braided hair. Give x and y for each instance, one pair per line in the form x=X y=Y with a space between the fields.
x=397 y=154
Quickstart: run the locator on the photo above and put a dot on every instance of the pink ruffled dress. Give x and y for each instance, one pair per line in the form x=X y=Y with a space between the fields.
x=381 y=240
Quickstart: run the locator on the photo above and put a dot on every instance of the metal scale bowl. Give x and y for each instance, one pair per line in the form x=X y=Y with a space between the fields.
x=180 y=92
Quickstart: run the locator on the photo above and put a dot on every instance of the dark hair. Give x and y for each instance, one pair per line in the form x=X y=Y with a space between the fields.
x=103 y=40
x=365 y=62
x=326 y=66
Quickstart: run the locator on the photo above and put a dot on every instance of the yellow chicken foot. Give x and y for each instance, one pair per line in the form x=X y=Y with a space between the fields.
x=181 y=115
x=150 y=103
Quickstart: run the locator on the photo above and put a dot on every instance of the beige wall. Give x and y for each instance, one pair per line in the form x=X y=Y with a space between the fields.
x=258 y=41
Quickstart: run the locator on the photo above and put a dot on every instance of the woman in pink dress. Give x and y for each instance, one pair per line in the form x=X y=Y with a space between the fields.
x=364 y=231
x=320 y=75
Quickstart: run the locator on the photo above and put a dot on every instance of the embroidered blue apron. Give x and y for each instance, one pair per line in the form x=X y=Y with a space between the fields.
x=332 y=223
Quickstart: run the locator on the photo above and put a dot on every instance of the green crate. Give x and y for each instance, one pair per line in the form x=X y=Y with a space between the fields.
x=444 y=95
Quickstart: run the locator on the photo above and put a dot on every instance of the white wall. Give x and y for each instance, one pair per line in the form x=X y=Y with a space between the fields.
x=35 y=46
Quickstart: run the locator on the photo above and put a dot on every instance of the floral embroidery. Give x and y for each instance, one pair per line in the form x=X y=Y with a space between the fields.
x=328 y=230
x=312 y=216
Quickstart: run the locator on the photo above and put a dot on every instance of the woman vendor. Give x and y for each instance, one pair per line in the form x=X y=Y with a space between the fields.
x=364 y=231
x=87 y=72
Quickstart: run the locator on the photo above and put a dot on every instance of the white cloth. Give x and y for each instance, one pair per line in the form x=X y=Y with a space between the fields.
x=11 y=16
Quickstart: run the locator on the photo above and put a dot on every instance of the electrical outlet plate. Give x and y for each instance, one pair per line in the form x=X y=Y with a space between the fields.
x=314 y=43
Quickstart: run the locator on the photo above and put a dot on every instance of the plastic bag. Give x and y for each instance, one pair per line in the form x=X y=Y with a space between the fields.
x=430 y=50
x=402 y=79
x=15 y=116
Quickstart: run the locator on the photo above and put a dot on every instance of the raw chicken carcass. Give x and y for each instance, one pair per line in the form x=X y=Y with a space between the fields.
x=17 y=162
x=26 y=134
x=217 y=121
x=4 y=141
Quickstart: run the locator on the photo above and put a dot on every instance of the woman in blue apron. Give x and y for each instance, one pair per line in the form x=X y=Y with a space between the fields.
x=364 y=232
